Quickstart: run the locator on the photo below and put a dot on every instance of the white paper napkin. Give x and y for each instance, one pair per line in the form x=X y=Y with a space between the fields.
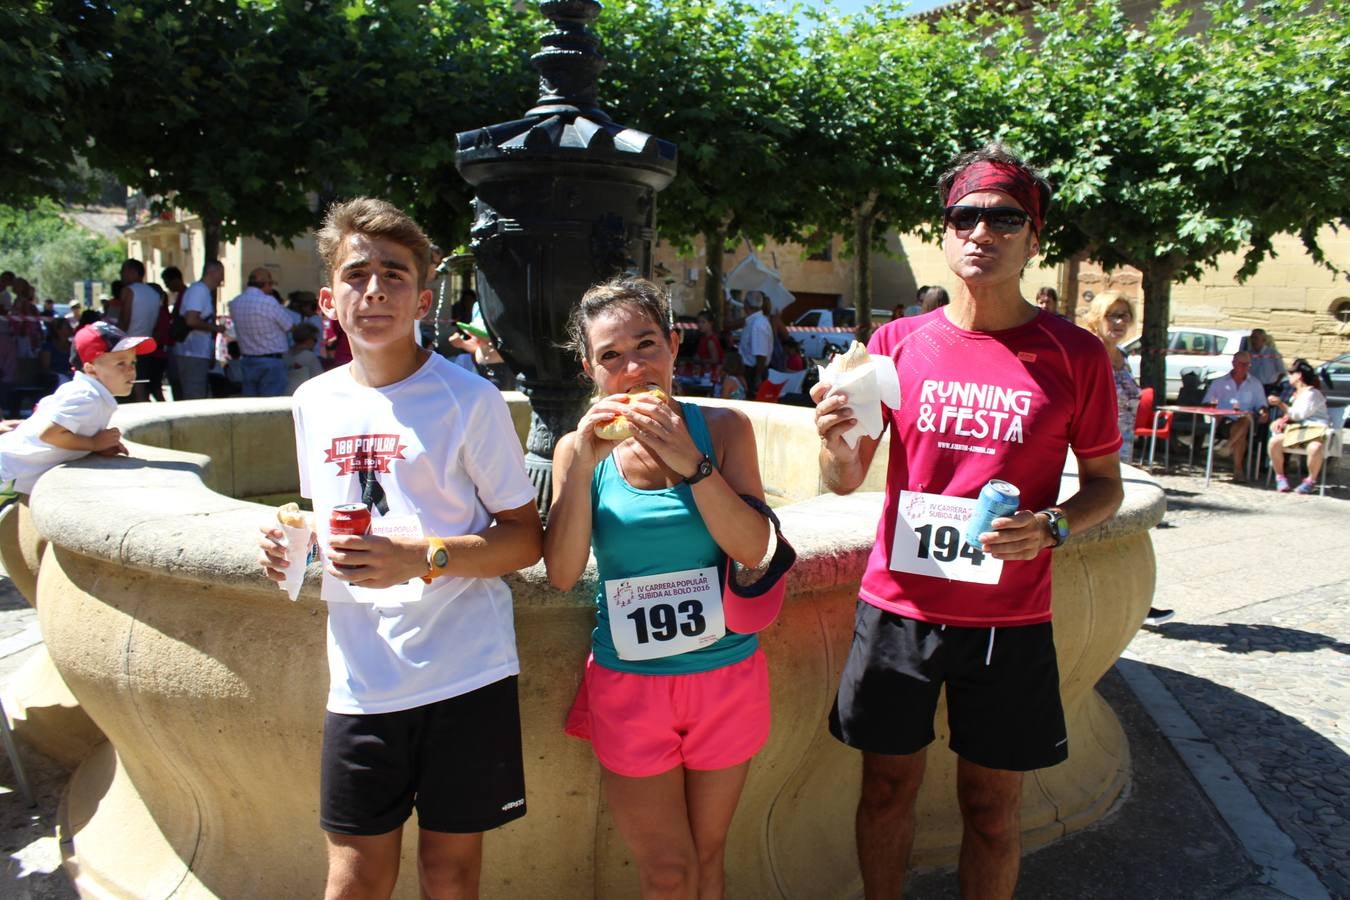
x=296 y=542
x=868 y=387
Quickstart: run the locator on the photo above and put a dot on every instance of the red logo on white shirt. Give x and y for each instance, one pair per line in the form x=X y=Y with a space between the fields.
x=365 y=452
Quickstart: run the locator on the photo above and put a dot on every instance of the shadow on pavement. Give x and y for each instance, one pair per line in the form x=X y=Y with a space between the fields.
x=10 y=598
x=1236 y=637
x=1194 y=501
x=1164 y=839
x=30 y=865
x=1297 y=773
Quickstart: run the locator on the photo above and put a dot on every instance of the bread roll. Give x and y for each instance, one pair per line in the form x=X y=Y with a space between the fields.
x=618 y=428
x=856 y=357
x=291 y=514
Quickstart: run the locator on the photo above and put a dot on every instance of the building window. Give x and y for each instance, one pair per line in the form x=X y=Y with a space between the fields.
x=1340 y=309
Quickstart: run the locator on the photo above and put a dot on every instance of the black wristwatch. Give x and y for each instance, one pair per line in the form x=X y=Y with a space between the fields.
x=1057 y=524
x=705 y=468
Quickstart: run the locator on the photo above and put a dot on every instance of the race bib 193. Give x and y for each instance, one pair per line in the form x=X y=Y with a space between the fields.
x=654 y=616
x=930 y=540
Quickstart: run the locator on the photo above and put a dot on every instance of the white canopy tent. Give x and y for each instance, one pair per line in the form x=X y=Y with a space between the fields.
x=751 y=274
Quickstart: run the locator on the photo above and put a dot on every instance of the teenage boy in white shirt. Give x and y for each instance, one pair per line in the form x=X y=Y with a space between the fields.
x=422 y=706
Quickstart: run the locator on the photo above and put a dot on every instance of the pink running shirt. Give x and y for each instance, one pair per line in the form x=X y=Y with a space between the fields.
x=976 y=406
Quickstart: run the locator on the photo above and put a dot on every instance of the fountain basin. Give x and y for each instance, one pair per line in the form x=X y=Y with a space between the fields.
x=209 y=685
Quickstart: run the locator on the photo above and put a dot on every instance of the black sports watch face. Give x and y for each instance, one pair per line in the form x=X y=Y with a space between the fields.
x=705 y=468
x=1058 y=525
x=440 y=558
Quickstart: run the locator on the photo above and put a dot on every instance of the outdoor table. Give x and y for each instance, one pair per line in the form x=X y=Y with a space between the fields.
x=1213 y=413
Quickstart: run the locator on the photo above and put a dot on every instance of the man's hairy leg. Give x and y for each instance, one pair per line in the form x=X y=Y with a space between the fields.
x=991 y=839
x=885 y=821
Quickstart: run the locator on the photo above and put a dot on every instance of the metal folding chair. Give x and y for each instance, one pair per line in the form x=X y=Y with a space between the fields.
x=13 y=752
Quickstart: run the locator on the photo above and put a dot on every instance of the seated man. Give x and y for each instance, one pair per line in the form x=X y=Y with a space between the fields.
x=1238 y=391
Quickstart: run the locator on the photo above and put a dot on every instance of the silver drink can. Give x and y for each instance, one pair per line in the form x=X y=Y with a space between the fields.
x=997 y=499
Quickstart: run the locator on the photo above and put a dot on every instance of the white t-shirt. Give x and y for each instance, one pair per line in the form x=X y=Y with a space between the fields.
x=442 y=446
x=1309 y=406
x=198 y=343
x=756 y=338
x=145 y=304
x=82 y=406
x=1250 y=395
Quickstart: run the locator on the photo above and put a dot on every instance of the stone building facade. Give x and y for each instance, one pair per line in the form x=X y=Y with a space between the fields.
x=177 y=239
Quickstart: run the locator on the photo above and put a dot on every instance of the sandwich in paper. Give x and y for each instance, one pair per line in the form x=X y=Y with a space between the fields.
x=295 y=526
x=868 y=381
x=619 y=428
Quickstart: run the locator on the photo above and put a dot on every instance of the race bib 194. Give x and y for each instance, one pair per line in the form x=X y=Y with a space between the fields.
x=654 y=616
x=930 y=540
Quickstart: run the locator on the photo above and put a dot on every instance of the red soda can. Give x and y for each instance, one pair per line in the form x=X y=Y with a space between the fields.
x=349 y=518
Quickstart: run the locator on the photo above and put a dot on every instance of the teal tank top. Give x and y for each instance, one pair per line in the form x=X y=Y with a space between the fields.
x=635 y=532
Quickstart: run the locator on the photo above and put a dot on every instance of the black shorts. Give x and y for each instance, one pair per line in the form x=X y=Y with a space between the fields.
x=458 y=761
x=1003 y=704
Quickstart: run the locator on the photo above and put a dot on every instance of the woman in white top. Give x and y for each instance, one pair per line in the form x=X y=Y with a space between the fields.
x=1304 y=425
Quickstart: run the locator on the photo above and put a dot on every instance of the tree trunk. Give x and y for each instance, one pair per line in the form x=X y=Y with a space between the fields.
x=210 y=238
x=1157 y=311
x=714 y=248
x=864 y=219
x=1068 y=288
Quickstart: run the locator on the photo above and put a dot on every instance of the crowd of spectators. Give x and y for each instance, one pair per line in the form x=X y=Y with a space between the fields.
x=257 y=344
x=197 y=354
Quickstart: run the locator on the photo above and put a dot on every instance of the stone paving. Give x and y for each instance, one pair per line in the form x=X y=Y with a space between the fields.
x=30 y=857
x=1258 y=656
x=1259 y=653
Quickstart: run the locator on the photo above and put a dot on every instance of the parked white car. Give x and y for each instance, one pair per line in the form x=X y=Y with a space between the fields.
x=1208 y=350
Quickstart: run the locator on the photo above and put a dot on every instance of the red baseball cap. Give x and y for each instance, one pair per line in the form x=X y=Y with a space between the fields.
x=98 y=338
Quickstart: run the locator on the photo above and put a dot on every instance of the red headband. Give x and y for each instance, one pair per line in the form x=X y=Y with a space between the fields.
x=991 y=175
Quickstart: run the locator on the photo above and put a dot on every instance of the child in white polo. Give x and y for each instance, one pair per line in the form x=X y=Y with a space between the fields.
x=73 y=421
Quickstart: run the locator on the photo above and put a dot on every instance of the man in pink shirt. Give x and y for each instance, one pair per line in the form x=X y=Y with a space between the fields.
x=991 y=388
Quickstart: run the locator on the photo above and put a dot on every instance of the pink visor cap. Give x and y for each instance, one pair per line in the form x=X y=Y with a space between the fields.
x=753 y=607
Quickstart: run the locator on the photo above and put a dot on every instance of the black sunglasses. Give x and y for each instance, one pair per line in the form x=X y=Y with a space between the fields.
x=1000 y=219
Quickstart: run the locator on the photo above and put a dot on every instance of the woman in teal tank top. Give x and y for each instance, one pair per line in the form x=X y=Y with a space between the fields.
x=674 y=705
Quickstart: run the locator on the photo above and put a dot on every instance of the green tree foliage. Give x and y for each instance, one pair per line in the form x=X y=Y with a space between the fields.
x=402 y=79
x=718 y=80
x=45 y=68
x=890 y=101
x=256 y=114
x=38 y=244
x=1171 y=146
x=201 y=106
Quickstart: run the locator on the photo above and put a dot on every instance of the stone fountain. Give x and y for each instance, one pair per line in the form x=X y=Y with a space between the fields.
x=187 y=693
x=190 y=691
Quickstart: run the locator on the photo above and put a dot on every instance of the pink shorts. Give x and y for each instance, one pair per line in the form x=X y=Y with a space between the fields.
x=643 y=725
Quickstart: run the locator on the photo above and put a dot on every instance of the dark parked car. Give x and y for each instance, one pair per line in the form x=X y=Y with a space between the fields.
x=1336 y=379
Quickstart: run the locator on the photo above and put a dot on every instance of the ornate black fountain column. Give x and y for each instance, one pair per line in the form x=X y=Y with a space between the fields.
x=565 y=198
